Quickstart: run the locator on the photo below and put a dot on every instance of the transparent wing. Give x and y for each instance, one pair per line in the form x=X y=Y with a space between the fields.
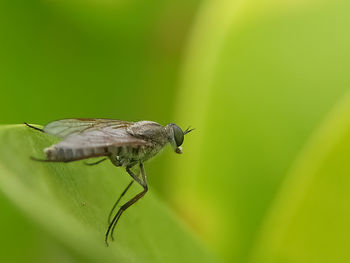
x=63 y=128
x=93 y=142
x=102 y=137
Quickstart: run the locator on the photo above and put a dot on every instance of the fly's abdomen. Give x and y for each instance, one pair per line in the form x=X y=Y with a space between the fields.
x=65 y=154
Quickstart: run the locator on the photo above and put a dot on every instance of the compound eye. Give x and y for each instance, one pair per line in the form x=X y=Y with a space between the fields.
x=178 y=135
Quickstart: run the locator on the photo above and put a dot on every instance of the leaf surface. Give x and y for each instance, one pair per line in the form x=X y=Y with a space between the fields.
x=72 y=201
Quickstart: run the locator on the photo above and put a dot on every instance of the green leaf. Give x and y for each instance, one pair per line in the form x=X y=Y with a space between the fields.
x=71 y=201
x=309 y=221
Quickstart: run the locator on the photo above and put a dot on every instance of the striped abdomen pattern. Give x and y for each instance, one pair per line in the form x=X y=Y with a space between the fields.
x=124 y=154
x=65 y=154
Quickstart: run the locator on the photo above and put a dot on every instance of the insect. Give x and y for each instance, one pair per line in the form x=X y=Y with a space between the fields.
x=126 y=144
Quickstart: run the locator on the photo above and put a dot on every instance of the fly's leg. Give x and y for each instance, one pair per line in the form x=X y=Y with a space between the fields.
x=35 y=128
x=61 y=161
x=143 y=182
x=100 y=161
x=41 y=130
x=116 y=203
x=46 y=160
x=50 y=161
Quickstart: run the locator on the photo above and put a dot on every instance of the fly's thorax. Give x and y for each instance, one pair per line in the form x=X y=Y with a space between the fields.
x=126 y=155
x=150 y=131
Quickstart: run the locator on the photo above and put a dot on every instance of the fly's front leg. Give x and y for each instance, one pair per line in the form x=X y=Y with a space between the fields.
x=143 y=182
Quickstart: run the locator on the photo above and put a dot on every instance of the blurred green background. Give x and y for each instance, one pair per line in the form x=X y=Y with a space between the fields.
x=264 y=177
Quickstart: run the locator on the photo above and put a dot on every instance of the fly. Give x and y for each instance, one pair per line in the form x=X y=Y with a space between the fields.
x=125 y=144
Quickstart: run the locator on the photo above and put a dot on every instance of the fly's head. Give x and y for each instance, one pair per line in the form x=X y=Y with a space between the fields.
x=176 y=136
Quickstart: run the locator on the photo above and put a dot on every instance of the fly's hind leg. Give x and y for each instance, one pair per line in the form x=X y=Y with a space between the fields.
x=50 y=161
x=118 y=200
x=143 y=182
x=35 y=128
x=40 y=130
x=99 y=161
